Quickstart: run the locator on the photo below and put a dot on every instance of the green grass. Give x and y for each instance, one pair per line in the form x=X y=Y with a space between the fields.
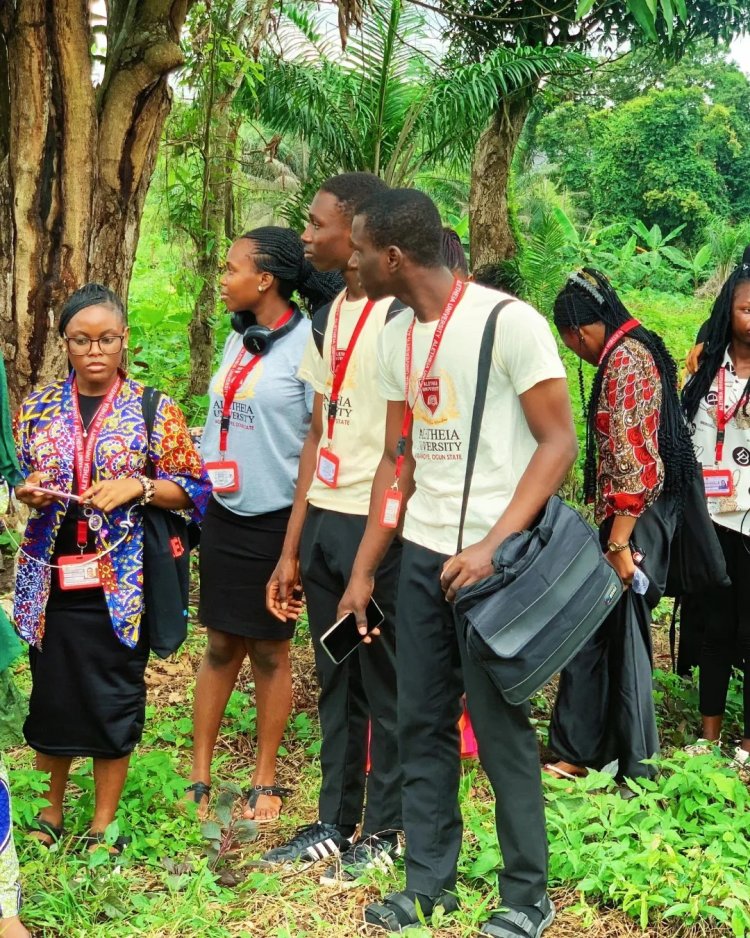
x=606 y=854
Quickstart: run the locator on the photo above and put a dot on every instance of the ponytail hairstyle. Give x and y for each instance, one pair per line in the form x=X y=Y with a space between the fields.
x=718 y=337
x=587 y=298
x=279 y=251
x=91 y=294
x=454 y=255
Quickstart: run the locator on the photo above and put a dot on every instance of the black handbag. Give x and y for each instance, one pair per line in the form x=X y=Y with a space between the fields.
x=551 y=590
x=166 y=561
x=696 y=560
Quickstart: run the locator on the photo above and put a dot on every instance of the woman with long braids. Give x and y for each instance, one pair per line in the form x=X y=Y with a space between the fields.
x=638 y=452
x=716 y=402
x=259 y=413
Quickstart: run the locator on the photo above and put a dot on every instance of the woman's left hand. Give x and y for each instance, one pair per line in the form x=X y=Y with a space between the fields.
x=111 y=493
x=622 y=561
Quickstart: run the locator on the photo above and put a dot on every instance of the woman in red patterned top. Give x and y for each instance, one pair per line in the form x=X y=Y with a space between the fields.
x=638 y=452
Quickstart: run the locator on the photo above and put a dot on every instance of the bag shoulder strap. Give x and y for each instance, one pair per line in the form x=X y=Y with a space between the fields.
x=483 y=377
x=394 y=309
x=149 y=404
x=319 y=323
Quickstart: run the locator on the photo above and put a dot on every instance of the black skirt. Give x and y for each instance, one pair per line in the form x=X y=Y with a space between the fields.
x=238 y=554
x=88 y=694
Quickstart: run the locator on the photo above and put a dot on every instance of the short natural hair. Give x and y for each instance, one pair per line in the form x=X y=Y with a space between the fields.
x=408 y=220
x=352 y=189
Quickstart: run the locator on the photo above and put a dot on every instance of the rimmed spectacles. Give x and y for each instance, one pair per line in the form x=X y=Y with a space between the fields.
x=82 y=344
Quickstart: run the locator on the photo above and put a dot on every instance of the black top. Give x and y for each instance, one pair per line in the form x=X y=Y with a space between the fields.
x=67 y=536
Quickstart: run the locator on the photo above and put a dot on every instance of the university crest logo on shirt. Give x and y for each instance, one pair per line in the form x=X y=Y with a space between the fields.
x=431 y=394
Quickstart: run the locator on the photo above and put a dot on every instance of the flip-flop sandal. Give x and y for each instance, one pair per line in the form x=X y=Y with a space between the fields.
x=511 y=923
x=199 y=791
x=398 y=913
x=40 y=826
x=554 y=772
x=273 y=791
x=98 y=839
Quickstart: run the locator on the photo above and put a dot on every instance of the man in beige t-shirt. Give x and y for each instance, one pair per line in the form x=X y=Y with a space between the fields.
x=428 y=358
x=336 y=469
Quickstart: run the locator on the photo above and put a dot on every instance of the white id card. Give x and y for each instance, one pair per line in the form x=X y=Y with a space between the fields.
x=78 y=572
x=224 y=476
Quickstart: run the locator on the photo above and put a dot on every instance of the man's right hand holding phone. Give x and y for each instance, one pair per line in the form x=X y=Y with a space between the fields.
x=356 y=598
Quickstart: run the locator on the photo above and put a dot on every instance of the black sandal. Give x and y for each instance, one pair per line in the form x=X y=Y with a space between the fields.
x=40 y=826
x=398 y=912
x=199 y=791
x=511 y=923
x=99 y=839
x=273 y=791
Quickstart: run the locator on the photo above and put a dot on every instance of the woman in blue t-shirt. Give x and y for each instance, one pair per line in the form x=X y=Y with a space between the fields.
x=259 y=413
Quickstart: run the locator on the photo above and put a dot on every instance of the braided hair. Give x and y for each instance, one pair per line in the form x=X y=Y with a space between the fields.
x=587 y=298
x=718 y=337
x=454 y=255
x=90 y=294
x=279 y=251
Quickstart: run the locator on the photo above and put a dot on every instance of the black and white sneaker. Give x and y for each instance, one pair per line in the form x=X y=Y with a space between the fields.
x=368 y=853
x=311 y=843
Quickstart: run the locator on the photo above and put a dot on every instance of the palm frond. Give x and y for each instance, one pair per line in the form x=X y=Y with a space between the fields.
x=464 y=98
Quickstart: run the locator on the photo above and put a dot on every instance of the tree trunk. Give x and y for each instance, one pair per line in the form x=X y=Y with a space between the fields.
x=75 y=160
x=492 y=237
x=218 y=153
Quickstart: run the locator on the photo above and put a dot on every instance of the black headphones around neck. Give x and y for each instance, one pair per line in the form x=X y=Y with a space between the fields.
x=258 y=340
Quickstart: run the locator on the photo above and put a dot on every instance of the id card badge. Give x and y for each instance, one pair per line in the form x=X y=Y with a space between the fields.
x=718 y=483
x=78 y=572
x=224 y=475
x=391 y=509
x=328 y=468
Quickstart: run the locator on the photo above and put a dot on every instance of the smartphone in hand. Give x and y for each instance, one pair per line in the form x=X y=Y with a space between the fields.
x=344 y=637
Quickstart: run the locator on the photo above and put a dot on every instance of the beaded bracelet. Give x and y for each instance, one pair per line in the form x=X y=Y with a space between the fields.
x=149 y=489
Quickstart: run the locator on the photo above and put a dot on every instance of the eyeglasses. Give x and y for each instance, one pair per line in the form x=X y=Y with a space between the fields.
x=82 y=344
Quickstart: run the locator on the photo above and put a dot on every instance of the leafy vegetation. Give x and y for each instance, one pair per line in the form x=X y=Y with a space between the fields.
x=637 y=167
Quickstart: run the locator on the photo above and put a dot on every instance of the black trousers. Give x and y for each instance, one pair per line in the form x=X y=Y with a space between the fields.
x=605 y=707
x=431 y=659
x=361 y=689
x=723 y=617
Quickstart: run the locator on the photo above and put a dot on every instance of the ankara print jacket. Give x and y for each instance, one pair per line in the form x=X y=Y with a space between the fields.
x=630 y=474
x=45 y=439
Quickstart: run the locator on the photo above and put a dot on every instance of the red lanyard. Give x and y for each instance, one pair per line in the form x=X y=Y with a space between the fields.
x=339 y=367
x=454 y=299
x=722 y=416
x=624 y=329
x=84 y=448
x=234 y=381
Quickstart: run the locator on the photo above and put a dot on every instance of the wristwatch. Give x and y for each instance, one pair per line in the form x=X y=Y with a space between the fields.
x=614 y=548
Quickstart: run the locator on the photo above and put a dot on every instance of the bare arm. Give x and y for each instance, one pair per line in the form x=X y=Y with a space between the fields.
x=111 y=493
x=377 y=539
x=546 y=408
x=285 y=576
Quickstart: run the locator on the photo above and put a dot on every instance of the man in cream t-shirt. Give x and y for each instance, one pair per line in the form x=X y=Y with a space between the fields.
x=526 y=446
x=336 y=469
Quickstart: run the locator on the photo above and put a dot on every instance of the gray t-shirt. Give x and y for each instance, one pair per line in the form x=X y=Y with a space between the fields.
x=269 y=421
